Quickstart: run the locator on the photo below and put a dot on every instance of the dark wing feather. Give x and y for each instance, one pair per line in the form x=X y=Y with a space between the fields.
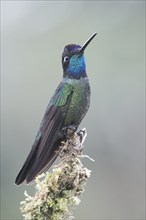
x=48 y=145
x=45 y=148
x=28 y=163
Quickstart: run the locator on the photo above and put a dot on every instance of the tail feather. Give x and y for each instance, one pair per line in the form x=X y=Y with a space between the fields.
x=33 y=172
x=43 y=151
x=27 y=165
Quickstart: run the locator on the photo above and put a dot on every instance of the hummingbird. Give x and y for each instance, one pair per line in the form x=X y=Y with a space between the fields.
x=66 y=109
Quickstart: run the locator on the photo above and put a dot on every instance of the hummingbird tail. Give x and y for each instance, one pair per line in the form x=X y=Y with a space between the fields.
x=45 y=148
x=27 y=165
x=44 y=165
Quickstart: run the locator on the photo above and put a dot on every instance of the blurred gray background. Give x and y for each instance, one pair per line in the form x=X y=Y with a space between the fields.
x=33 y=34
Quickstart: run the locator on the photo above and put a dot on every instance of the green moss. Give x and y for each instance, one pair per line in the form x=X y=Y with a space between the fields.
x=60 y=189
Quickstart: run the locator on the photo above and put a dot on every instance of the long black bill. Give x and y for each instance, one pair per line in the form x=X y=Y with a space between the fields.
x=87 y=42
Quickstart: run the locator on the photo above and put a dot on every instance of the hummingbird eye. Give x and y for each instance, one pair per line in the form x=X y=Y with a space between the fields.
x=65 y=59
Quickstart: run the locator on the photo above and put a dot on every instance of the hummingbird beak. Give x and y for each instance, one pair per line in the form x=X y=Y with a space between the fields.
x=86 y=43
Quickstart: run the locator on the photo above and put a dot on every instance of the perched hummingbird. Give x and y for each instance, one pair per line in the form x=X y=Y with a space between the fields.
x=66 y=109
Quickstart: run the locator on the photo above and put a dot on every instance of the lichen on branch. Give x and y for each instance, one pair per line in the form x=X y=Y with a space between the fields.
x=60 y=189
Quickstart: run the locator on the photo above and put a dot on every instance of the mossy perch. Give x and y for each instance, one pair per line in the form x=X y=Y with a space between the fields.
x=61 y=188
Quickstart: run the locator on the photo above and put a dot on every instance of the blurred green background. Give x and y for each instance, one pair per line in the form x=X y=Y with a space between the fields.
x=33 y=34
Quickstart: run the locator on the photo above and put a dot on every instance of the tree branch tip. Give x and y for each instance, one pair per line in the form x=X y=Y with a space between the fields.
x=60 y=189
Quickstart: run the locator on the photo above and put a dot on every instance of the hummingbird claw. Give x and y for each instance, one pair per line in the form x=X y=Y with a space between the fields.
x=82 y=134
x=69 y=130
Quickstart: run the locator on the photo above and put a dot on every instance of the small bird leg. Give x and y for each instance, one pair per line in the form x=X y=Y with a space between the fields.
x=74 y=142
x=68 y=131
x=82 y=134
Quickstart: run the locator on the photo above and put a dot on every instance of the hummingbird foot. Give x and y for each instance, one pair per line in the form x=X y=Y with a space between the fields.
x=68 y=131
x=74 y=142
x=82 y=135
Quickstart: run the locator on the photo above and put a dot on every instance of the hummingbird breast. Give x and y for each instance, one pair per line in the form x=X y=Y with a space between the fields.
x=79 y=103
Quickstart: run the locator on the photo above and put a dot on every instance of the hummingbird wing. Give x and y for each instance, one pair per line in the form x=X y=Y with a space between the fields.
x=45 y=148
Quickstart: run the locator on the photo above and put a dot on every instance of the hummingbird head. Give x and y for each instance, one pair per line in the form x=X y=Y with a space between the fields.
x=73 y=60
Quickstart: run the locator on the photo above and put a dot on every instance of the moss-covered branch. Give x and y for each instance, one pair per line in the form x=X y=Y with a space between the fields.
x=60 y=189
